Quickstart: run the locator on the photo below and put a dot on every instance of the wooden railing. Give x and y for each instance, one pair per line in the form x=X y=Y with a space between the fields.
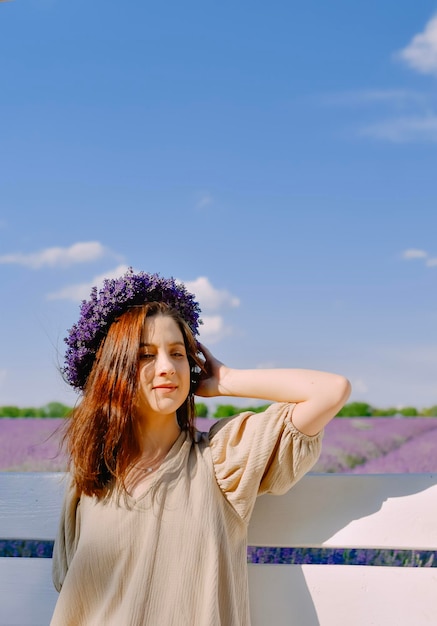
x=337 y=550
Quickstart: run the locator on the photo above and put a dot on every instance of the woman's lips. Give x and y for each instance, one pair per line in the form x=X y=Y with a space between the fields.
x=166 y=387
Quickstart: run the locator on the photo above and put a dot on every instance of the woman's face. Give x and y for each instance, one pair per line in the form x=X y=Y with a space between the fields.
x=164 y=370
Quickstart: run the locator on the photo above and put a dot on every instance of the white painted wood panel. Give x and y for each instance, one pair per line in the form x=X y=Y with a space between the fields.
x=367 y=511
x=27 y=595
x=329 y=510
x=30 y=504
x=281 y=595
x=322 y=510
x=342 y=595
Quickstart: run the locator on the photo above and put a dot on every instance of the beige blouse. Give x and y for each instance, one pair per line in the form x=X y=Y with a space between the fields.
x=176 y=555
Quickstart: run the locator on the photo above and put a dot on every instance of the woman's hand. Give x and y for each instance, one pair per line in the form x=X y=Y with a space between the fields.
x=211 y=382
x=318 y=395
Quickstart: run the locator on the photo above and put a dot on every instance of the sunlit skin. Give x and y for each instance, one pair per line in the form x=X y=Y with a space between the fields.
x=163 y=380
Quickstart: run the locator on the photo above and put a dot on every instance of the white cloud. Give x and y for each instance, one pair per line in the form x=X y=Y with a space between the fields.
x=359 y=385
x=414 y=253
x=204 y=200
x=81 y=291
x=82 y=252
x=404 y=129
x=421 y=52
x=412 y=119
x=212 y=300
x=213 y=329
x=209 y=298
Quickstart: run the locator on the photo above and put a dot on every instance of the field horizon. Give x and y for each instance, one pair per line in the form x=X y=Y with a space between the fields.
x=350 y=445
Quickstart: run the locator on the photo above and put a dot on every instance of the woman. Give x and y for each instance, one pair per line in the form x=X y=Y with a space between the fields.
x=154 y=523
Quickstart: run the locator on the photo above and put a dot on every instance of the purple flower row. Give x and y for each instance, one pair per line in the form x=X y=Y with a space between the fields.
x=278 y=556
x=416 y=455
x=31 y=444
x=355 y=445
x=353 y=442
x=341 y=556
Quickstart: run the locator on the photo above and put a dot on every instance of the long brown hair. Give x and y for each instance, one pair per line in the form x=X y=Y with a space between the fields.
x=102 y=437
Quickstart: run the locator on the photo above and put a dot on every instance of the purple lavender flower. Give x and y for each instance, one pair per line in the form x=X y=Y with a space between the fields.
x=417 y=454
x=355 y=442
x=34 y=444
x=31 y=444
x=103 y=307
x=388 y=445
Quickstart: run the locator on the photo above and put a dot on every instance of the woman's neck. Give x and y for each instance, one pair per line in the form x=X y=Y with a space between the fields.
x=158 y=436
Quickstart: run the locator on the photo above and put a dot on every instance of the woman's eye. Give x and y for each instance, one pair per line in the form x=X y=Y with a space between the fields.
x=146 y=356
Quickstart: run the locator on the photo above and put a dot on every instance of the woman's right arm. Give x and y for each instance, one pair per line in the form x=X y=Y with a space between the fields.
x=318 y=395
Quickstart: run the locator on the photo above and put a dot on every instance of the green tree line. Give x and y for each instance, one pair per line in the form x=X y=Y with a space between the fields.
x=362 y=409
x=52 y=409
x=353 y=409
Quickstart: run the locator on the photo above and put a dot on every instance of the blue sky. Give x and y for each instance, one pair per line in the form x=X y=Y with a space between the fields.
x=280 y=158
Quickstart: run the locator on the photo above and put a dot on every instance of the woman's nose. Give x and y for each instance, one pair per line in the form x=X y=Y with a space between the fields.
x=165 y=364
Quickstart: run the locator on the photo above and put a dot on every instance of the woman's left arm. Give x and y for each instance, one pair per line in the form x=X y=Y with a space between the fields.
x=318 y=395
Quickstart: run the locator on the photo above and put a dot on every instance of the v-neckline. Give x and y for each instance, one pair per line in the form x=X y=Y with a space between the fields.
x=147 y=484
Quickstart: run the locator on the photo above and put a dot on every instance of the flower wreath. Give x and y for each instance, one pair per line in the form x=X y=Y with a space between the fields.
x=113 y=299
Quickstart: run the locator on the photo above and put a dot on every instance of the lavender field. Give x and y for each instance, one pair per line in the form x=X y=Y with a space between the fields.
x=375 y=445
x=351 y=445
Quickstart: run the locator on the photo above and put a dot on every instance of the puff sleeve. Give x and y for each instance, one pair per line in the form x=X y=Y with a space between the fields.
x=256 y=453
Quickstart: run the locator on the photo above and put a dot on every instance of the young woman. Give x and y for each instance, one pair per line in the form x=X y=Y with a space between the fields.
x=154 y=523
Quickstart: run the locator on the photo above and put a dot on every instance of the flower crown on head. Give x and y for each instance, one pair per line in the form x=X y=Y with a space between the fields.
x=113 y=299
